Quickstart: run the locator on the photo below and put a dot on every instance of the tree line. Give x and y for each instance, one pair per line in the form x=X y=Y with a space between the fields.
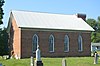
x=3 y=42
x=95 y=24
x=3 y=33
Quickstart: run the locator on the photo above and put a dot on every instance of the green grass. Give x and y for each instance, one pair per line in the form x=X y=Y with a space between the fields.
x=71 y=61
x=14 y=62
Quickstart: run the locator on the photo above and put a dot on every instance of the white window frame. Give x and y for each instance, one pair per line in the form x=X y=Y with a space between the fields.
x=66 y=41
x=33 y=42
x=80 y=42
x=51 y=36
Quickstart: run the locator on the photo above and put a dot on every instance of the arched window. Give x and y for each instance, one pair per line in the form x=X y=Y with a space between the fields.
x=51 y=43
x=66 y=43
x=35 y=42
x=80 y=46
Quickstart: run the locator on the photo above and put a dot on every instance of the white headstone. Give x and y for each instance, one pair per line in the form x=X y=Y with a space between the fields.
x=63 y=62
x=16 y=56
x=32 y=61
x=38 y=56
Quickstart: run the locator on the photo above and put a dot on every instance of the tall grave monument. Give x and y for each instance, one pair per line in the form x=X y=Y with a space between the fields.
x=38 y=61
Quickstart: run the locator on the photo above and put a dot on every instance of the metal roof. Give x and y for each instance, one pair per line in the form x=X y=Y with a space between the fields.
x=27 y=19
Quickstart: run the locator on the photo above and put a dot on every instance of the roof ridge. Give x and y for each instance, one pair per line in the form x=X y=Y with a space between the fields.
x=43 y=12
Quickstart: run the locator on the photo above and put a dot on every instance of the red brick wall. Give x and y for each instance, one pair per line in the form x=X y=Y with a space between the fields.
x=26 y=43
x=15 y=41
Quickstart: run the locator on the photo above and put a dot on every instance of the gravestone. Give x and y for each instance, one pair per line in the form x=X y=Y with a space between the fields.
x=32 y=61
x=38 y=55
x=16 y=56
x=6 y=57
x=38 y=61
x=96 y=58
x=63 y=62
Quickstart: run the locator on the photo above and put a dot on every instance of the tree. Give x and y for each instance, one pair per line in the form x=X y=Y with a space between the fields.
x=99 y=24
x=95 y=36
x=91 y=22
x=99 y=18
x=3 y=42
x=1 y=11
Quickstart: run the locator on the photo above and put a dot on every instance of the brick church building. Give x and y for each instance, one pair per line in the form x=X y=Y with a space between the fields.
x=58 y=35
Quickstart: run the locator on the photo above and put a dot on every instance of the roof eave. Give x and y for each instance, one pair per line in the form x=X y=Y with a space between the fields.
x=53 y=29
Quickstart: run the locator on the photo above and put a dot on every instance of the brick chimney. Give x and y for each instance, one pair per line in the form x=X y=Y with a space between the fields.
x=83 y=16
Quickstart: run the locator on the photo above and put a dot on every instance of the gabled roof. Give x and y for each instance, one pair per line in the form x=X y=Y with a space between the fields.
x=26 y=19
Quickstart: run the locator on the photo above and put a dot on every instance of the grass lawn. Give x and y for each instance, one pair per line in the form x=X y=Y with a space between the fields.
x=71 y=61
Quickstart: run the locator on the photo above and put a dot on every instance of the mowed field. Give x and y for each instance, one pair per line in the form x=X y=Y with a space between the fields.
x=71 y=61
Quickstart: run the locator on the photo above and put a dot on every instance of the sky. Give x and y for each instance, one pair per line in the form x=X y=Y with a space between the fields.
x=89 y=7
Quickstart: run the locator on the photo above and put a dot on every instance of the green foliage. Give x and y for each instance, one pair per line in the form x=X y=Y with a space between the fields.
x=95 y=36
x=99 y=18
x=1 y=11
x=3 y=42
x=91 y=22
